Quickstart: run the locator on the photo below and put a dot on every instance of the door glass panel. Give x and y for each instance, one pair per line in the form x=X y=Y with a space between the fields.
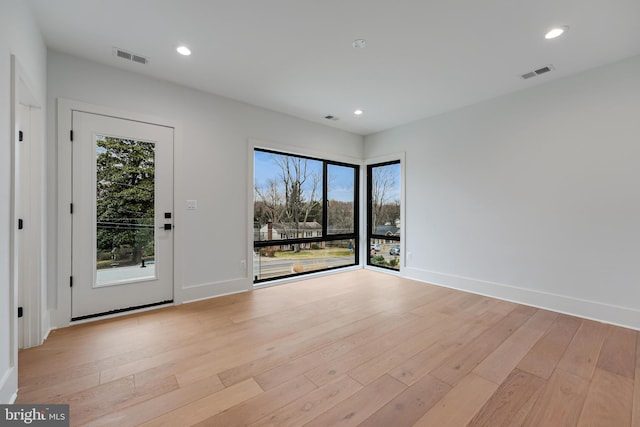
x=125 y=210
x=340 y=199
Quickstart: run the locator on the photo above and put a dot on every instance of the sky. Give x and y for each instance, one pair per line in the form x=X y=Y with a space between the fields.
x=340 y=179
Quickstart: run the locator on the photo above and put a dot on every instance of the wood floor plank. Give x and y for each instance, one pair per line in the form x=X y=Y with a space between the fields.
x=355 y=409
x=582 y=353
x=311 y=405
x=618 y=354
x=372 y=369
x=98 y=401
x=137 y=414
x=508 y=400
x=433 y=356
x=499 y=364
x=306 y=341
x=160 y=360
x=490 y=304
x=237 y=363
x=261 y=405
x=208 y=406
x=543 y=358
x=458 y=407
x=331 y=369
x=462 y=301
x=609 y=401
x=371 y=328
x=49 y=393
x=410 y=405
x=561 y=401
x=469 y=356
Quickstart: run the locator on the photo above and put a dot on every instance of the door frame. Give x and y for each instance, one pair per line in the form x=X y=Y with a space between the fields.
x=61 y=315
x=28 y=189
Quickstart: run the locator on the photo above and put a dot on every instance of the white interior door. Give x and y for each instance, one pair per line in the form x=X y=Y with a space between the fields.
x=122 y=242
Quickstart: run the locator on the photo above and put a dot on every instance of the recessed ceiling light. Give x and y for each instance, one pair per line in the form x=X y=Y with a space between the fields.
x=183 y=50
x=359 y=43
x=358 y=112
x=556 y=32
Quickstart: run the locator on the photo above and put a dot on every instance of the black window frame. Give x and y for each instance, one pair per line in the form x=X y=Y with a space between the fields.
x=370 y=234
x=326 y=237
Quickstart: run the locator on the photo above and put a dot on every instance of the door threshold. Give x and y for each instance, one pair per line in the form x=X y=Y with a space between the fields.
x=112 y=313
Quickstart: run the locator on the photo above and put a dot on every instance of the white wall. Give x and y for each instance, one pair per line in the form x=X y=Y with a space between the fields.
x=532 y=197
x=211 y=165
x=19 y=36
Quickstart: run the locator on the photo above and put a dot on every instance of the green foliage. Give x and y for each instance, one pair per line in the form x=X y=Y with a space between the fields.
x=378 y=259
x=393 y=262
x=125 y=171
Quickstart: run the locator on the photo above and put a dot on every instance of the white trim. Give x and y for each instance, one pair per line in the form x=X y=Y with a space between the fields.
x=61 y=313
x=308 y=276
x=383 y=270
x=9 y=382
x=607 y=313
x=214 y=296
x=9 y=386
x=214 y=289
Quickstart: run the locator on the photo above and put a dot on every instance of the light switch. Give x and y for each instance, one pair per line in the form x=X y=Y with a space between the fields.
x=192 y=205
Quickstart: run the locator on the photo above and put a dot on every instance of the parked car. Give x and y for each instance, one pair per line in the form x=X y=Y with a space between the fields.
x=395 y=250
x=375 y=248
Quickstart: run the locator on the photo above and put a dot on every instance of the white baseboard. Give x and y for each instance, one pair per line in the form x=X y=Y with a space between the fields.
x=211 y=290
x=9 y=386
x=607 y=313
x=236 y=286
x=46 y=335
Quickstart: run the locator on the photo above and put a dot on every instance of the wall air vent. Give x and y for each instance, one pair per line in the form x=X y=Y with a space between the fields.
x=120 y=53
x=537 y=72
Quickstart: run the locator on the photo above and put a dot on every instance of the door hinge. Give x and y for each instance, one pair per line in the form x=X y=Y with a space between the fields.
x=71 y=208
x=20 y=312
x=71 y=135
x=20 y=136
x=71 y=281
x=20 y=224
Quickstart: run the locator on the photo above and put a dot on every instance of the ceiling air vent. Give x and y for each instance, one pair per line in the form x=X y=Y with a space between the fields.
x=139 y=59
x=330 y=117
x=130 y=56
x=537 y=72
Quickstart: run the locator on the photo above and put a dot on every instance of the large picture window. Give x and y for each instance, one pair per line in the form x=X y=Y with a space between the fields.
x=383 y=214
x=305 y=215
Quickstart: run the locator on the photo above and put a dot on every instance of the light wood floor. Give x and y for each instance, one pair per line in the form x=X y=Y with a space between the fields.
x=359 y=348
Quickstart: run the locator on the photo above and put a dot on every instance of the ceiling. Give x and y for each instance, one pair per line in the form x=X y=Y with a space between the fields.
x=422 y=57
